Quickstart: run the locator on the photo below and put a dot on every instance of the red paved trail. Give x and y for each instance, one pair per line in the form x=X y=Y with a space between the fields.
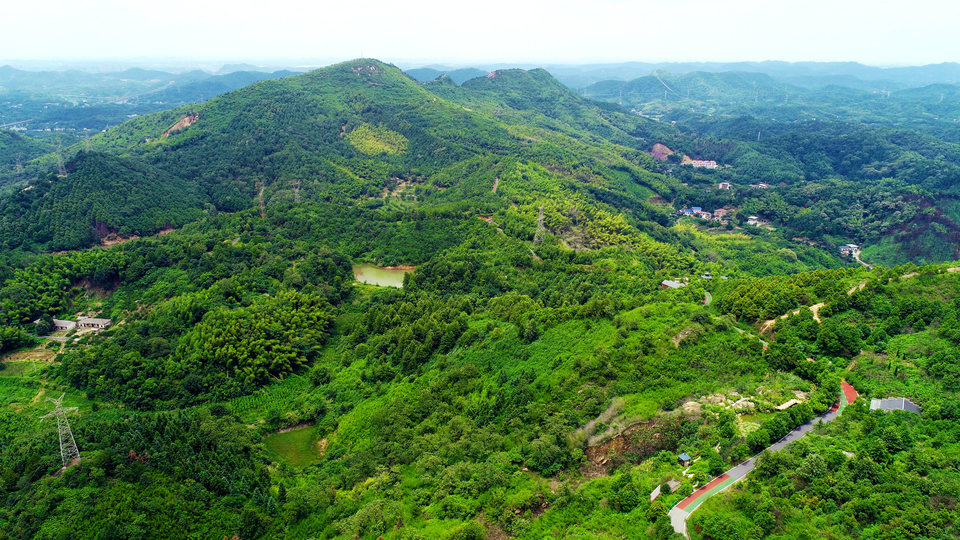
x=849 y=392
x=696 y=494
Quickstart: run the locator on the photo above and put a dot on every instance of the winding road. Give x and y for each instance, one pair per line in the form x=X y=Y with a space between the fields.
x=682 y=510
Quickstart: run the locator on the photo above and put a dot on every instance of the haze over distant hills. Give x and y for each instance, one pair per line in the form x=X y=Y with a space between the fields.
x=78 y=101
x=810 y=74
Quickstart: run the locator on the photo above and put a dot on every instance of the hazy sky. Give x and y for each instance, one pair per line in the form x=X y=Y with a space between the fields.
x=878 y=32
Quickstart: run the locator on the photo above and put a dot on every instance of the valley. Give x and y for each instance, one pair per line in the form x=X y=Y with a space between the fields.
x=348 y=303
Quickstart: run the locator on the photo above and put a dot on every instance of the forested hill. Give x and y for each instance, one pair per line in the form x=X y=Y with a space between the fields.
x=534 y=97
x=553 y=334
x=16 y=150
x=100 y=195
x=364 y=133
x=871 y=167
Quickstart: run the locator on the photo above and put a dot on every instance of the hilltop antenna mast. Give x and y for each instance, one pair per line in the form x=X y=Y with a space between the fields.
x=68 y=447
x=86 y=143
x=18 y=167
x=61 y=170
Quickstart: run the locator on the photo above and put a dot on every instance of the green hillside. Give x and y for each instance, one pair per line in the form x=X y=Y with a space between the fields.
x=354 y=132
x=846 y=165
x=100 y=195
x=561 y=334
x=16 y=148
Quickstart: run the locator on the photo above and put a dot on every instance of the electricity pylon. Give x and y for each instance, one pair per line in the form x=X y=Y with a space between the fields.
x=61 y=170
x=538 y=237
x=68 y=447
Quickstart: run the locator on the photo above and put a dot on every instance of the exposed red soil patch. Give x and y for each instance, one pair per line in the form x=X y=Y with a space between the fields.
x=642 y=439
x=661 y=151
x=696 y=494
x=116 y=239
x=184 y=122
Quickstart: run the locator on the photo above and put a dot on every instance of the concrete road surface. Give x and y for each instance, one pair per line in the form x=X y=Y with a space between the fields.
x=678 y=516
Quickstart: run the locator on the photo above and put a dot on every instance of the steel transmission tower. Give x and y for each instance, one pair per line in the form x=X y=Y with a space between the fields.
x=61 y=170
x=538 y=237
x=68 y=447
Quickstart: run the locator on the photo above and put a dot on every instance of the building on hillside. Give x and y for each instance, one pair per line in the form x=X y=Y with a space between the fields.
x=849 y=249
x=60 y=325
x=761 y=185
x=684 y=459
x=91 y=322
x=723 y=185
x=671 y=284
x=704 y=215
x=719 y=214
x=703 y=163
x=753 y=220
x=706 y=275
x=894 y=404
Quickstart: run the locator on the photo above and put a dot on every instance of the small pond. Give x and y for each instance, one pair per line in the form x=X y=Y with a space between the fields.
x=389 y=276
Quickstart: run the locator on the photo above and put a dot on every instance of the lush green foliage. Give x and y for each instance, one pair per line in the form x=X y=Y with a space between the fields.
x=100 y=195
x=525 y=381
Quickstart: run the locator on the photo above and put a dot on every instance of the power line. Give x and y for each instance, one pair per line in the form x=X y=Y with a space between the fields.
x=61 y=170
x=68 y=447
x=538 y=237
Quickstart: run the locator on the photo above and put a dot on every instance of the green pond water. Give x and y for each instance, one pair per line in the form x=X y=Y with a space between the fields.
x=374 y=275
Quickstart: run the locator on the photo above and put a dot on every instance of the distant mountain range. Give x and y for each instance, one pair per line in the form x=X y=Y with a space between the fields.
x=806 y=74
x=458 y=76
x=77 y=101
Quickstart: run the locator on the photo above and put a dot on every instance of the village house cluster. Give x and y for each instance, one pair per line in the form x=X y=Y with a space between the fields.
x=849 y=250
x=61 y=325
x=719 y=214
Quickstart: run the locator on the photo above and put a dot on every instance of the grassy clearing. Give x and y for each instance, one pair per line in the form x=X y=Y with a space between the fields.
x=36 y=354
x=297 y=447
x=19 y=369
x=373 y=140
